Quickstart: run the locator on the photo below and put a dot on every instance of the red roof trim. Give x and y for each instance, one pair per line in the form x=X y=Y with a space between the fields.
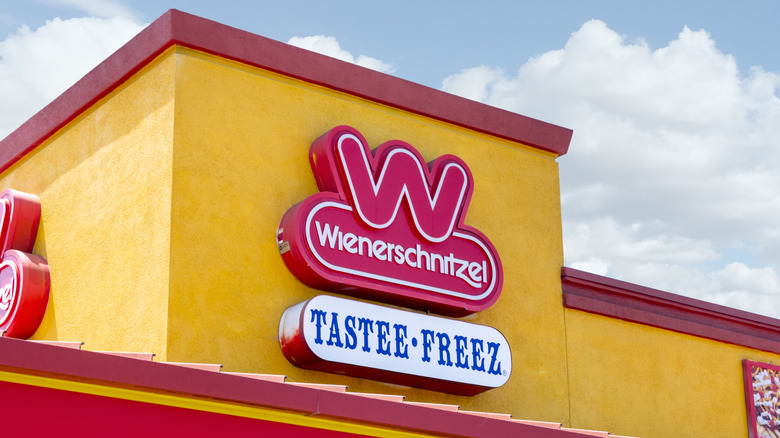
x=88 y=415
x=618 y=299
x=102 y=369
x=175 y=27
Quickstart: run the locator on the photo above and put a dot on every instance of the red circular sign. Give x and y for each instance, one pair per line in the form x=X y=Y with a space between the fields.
x=24 y=277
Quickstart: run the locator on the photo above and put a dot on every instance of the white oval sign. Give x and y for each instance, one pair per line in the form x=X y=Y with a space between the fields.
x=381 y=343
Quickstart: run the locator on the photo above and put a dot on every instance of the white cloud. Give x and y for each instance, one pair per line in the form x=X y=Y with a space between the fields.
x=474 y=83
x=735 y=285
x=327 y=45
x=38 y=65
x=673 y=176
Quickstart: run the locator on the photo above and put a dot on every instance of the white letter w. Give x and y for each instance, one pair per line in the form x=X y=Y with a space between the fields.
x=434 y=201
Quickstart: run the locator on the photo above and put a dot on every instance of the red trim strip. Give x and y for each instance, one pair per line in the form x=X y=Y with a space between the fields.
x=750 y=405
x=37 y=411
x=26 y=357
x=617 y=299
x=175 y=27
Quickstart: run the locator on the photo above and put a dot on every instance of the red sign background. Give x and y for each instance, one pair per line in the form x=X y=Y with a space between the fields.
x=24 y=277
x=387 y=226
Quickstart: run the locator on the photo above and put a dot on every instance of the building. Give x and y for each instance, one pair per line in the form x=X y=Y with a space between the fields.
x=162 y=178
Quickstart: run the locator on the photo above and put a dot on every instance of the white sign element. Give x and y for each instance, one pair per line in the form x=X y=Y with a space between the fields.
x=359 y=334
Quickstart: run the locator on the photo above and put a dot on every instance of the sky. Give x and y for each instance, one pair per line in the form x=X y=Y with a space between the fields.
x=672 y=179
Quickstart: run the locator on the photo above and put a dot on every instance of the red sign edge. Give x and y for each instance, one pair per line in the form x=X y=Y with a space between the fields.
x=293 y=246
x=20 y=224
x=296 y=350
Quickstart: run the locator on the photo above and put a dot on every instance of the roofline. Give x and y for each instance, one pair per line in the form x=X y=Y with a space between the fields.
x=42 y=360
x=178 y=28
x=618 y=299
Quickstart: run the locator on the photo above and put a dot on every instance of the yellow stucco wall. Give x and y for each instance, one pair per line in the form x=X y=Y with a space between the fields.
x=637 y=380
x=240 y=161
x=104 y=186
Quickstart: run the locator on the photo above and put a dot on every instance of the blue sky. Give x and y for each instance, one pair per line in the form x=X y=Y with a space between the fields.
x=429 y=40
x=673 y=176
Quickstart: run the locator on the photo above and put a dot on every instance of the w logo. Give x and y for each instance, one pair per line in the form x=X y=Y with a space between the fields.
x=377 y=184
x=386 y=225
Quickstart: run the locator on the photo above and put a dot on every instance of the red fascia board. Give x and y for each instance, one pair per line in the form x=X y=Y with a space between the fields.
x=88 y=415
x=618 y=299
x=43 y=360
x=212 y=37
x=179 y=28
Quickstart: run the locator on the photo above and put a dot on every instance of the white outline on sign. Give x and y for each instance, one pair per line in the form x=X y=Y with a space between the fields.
x=404 y=191
x=14 y=296
x=398 y=280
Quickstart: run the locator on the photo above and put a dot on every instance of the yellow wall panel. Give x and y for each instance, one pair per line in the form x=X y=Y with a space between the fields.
x=638 y=380
x=104 y=186
x=241 y=146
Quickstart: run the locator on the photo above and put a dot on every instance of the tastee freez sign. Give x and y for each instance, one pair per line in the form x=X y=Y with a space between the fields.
x=387 y=226
x=24 y=277
x=366 y=340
